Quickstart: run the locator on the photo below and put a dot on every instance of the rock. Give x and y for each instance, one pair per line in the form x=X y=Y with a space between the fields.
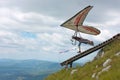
x=106 y=68
x=117 y=54
x=97 y=76
x=103 y=70
x=73 y=71
x=106 y=62
x=96 y=66
x=99 y=55
x=102 y=54
x=93 y=76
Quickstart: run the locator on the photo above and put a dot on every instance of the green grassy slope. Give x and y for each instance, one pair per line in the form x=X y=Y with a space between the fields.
x=95 y=67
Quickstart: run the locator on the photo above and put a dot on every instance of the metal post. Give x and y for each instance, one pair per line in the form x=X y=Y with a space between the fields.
x=71 y=65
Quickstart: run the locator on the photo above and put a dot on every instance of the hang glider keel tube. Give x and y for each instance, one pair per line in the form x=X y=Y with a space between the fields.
x=89 y=51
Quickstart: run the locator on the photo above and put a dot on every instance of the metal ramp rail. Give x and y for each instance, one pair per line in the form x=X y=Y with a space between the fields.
x=85 y=53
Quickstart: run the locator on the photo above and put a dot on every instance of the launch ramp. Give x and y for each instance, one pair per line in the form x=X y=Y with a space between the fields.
x=85 y=53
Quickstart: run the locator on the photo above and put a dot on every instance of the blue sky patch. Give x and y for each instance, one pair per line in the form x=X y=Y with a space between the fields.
x=25 y=34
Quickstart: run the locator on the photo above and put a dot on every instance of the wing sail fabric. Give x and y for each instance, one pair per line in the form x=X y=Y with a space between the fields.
x=77 y=19
x=89 y=30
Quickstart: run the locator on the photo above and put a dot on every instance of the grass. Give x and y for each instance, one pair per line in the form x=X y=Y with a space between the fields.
x=85 y=72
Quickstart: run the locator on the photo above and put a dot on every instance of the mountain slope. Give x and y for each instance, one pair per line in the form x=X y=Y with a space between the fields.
x=104 y=67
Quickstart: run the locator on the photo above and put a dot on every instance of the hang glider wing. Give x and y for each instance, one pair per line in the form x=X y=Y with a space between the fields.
x=78 y=19
x=88 y=30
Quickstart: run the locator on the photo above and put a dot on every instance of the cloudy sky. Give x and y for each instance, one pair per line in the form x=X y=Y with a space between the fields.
x=29 y=29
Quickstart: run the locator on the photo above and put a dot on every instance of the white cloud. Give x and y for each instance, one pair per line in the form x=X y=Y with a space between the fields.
x=53 y=38
x=113 y=18
x=43 y=19
x=105 y=34
x=4 y=2
x=28 y=21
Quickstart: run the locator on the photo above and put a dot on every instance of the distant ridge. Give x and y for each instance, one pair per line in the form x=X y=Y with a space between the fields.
x=11 y=69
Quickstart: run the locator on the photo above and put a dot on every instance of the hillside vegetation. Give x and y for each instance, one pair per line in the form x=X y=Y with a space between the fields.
x=106 y=67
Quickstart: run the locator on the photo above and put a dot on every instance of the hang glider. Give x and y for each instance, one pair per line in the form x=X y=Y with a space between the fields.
x=76 y=23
